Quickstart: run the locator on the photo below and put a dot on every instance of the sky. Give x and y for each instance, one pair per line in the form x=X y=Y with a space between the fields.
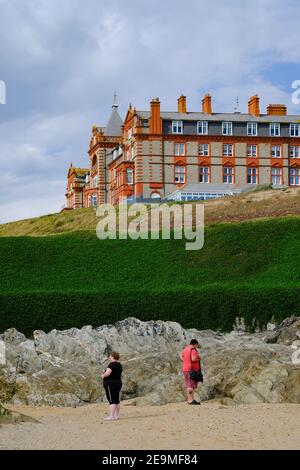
x=62 y=61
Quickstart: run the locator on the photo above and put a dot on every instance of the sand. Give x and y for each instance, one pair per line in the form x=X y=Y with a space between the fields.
x=175 y=426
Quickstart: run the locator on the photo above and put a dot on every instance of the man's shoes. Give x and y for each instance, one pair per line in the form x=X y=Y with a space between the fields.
x=194 y=402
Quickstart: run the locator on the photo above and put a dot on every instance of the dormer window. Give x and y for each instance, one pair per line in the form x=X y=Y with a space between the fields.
x=252 y=128
x=294 y=130
x=202 y=127
x=177 y=127
x=226 y=128
x=275 y=129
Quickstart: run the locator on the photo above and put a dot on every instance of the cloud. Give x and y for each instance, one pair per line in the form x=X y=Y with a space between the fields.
x=62 y=62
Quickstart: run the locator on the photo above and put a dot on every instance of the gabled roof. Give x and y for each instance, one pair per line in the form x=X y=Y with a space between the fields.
x=79 y=172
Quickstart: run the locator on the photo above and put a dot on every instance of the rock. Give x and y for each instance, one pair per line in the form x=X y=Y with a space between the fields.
x=286 y=333
x=11 y=417
x=63 y=368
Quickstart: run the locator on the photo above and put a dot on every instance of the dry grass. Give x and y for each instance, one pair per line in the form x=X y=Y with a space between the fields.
x=250 y=206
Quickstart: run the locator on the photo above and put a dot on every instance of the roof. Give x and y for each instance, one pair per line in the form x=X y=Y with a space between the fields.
x=114 y=125
x=234 y=117
x=209 y=188
x=80 y=172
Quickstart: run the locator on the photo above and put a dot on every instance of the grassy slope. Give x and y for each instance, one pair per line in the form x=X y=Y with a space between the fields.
x=245 y=269
x=251 y=206
x=265 y=252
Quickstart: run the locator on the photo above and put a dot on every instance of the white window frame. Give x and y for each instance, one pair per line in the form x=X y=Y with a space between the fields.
x=250 y=153
x=228 y=175
x=202 y=127
x=294 y=151
x=227 y=128
x=275 y=129
x=177 y=127
x=129 y=176
x=296 y=130
x=252 y=128
x=274 y=154
x=95 y=181
x=295 y=177
x=252 y=175
x=204 y=151
x=180 y=175
x=274 y=182
x=94 y=199
x=205 y=174
x=89 y=200
x=226 y=154
x=179 y=145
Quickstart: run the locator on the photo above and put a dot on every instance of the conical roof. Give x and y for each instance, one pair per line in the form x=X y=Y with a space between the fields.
x=114 y=126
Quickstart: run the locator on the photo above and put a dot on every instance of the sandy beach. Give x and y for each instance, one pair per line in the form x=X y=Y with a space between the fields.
x=174 y=426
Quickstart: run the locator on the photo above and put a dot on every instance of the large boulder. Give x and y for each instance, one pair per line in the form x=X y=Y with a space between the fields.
x=63 y=368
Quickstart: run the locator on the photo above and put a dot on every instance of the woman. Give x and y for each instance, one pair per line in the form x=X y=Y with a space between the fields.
x=112 y=382
x=191 y=361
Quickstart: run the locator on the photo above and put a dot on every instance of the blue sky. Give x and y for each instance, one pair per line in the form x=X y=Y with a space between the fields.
x=62 y=62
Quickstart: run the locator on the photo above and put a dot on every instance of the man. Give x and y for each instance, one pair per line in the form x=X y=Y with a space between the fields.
x=191 y=361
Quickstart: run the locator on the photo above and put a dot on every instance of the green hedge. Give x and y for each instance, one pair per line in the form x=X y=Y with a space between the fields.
x=214 y=307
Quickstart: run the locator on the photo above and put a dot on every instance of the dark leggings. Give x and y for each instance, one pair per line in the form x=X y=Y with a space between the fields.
x=112 y=390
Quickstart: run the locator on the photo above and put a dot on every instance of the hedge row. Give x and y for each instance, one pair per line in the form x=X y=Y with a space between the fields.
x=212 y=307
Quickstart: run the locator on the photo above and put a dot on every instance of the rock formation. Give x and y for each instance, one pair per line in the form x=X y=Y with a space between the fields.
x=63 y=367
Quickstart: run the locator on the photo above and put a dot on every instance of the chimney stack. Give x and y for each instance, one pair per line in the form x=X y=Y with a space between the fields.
x=253 y=106
x=276 y=110
x=155 y=121
x=182 y=104
x=206 y=104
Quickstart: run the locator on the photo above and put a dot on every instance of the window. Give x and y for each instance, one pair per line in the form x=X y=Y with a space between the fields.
x=120 y=150
x=94 y=200
x=177 y=127
x=295 y=151
x=132 y=152
x=227 y=128
x=89 y=200
x=295 y=177
x=129 y=135
x=87 y=178
x=179 y=174
x=95 y=181
x=252 y=128
x=276 y=151
x=204 y=150
x=276 y=176
x=115 y=154
x=228 y=174
x=252 y=151
x=202 y=127
x=295 y=130
x=180 y=150
x=129 y=176
x=274 y=129
x=227 y=150
x=204 y=174
x=252 y=175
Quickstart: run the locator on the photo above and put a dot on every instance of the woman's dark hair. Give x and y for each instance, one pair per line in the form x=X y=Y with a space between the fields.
x=194 y=342
x=115 y=355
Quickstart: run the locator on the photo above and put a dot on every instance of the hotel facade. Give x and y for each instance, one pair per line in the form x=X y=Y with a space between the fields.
x=181 y=155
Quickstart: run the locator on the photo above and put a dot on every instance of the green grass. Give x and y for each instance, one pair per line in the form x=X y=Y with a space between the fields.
x=245 y=269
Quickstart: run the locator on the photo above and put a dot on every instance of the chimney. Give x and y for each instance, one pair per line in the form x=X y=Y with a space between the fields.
x=276 y=110
x=206 y=104
x=155 y=121
x=182 y=104
x=253 y=106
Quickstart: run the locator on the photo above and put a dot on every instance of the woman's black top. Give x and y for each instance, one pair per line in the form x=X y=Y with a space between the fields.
x=116 y=374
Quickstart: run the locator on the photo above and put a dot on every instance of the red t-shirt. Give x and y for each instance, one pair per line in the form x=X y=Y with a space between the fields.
x=189 y=364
